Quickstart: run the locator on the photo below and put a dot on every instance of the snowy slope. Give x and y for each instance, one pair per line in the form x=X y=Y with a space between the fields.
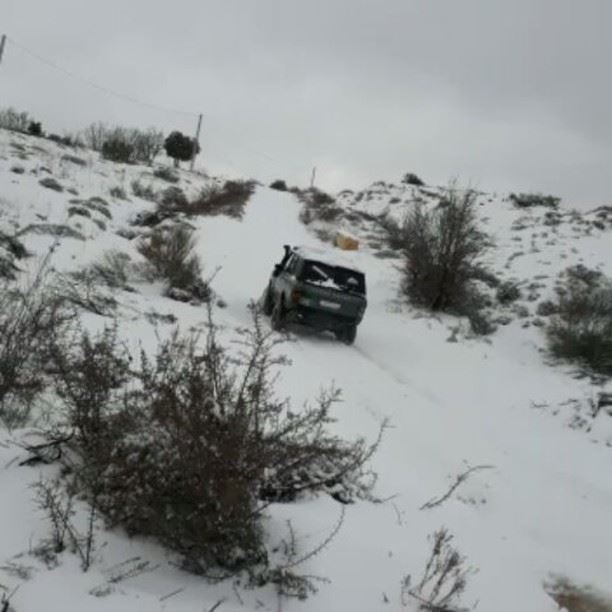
x=542 y=508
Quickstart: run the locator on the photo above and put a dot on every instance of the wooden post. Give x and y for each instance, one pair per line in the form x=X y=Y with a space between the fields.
x=312 y=177
x=2 y=45
x=197 y=140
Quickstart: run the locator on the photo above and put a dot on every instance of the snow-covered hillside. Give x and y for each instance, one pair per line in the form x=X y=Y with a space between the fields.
x=542 y=509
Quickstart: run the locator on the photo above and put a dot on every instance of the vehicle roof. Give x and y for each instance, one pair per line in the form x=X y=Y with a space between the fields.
x=326 y=256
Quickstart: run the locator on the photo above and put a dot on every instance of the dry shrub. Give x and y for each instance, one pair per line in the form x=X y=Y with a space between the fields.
x=444 y=578
x=574 y=598
x=190 y=445
x=166 y=174
x=229 y=199
x=318 y=206
x=170 y=252
x=30 y=318
x=124 y=144
x=440 y=252
x=530 y=200
x=145 y=192
x=581 y=328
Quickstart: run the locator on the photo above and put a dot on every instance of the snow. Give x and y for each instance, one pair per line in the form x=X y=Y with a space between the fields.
x=331 y=257
x=544 y=507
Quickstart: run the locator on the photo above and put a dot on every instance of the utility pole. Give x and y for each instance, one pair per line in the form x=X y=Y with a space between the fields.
x=312 y=177
x=197 y=140
x=2 y=45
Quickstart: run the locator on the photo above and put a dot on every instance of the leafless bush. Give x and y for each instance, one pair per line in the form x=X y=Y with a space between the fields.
x=30 y=319
x=170 y=251
x=83 y=290
x=13 y=120
x=188 y=445
x=581 y=328
x=444 y=578
x=124 y=144
x=318 y=206
x=228 y=199
x=56 y=499
x=147 y=144
x=95 y=135
x=440 y=250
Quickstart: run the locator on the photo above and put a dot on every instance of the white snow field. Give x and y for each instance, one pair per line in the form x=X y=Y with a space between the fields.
x=542 y=509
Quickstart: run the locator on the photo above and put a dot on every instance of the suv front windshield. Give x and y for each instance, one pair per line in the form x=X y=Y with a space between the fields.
x=334 y=277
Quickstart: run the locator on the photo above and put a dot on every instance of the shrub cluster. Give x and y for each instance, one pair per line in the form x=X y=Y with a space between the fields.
x=530 y=200
x=126 y=145
x=15 y=121
x=581 y=326
x=190 y=445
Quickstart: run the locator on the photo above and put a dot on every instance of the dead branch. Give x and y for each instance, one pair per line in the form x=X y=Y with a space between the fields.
x=216 y=605
x=433 y=502
x=45 y=452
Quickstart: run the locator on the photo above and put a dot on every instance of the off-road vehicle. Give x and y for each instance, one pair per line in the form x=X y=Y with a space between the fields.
x=316 y=289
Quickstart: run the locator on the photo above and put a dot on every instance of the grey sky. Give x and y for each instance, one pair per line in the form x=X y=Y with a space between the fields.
x=505 y=95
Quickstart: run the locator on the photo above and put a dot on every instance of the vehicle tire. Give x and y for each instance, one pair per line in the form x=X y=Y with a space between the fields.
x=348 y=334
x=268 y=304
x=278 y=316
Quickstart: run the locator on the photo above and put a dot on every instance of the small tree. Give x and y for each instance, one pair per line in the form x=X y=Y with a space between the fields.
x=180 y=147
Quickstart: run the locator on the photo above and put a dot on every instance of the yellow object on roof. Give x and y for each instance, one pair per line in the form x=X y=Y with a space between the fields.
x=346 y=243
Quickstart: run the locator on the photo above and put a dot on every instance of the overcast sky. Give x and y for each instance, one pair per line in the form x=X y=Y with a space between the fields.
x=502 y=94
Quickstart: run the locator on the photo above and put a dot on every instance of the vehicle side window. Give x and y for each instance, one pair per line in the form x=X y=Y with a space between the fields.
x=292 y=265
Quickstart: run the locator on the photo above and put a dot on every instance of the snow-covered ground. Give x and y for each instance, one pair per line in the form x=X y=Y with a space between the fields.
x=543 y=508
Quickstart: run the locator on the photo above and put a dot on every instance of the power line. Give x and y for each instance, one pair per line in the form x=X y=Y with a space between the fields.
x=95 y=85
x=133 y=100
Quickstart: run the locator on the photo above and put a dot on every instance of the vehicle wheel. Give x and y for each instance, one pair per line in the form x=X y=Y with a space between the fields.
x=348 y=334
x=278 y=316
x=268 y=305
